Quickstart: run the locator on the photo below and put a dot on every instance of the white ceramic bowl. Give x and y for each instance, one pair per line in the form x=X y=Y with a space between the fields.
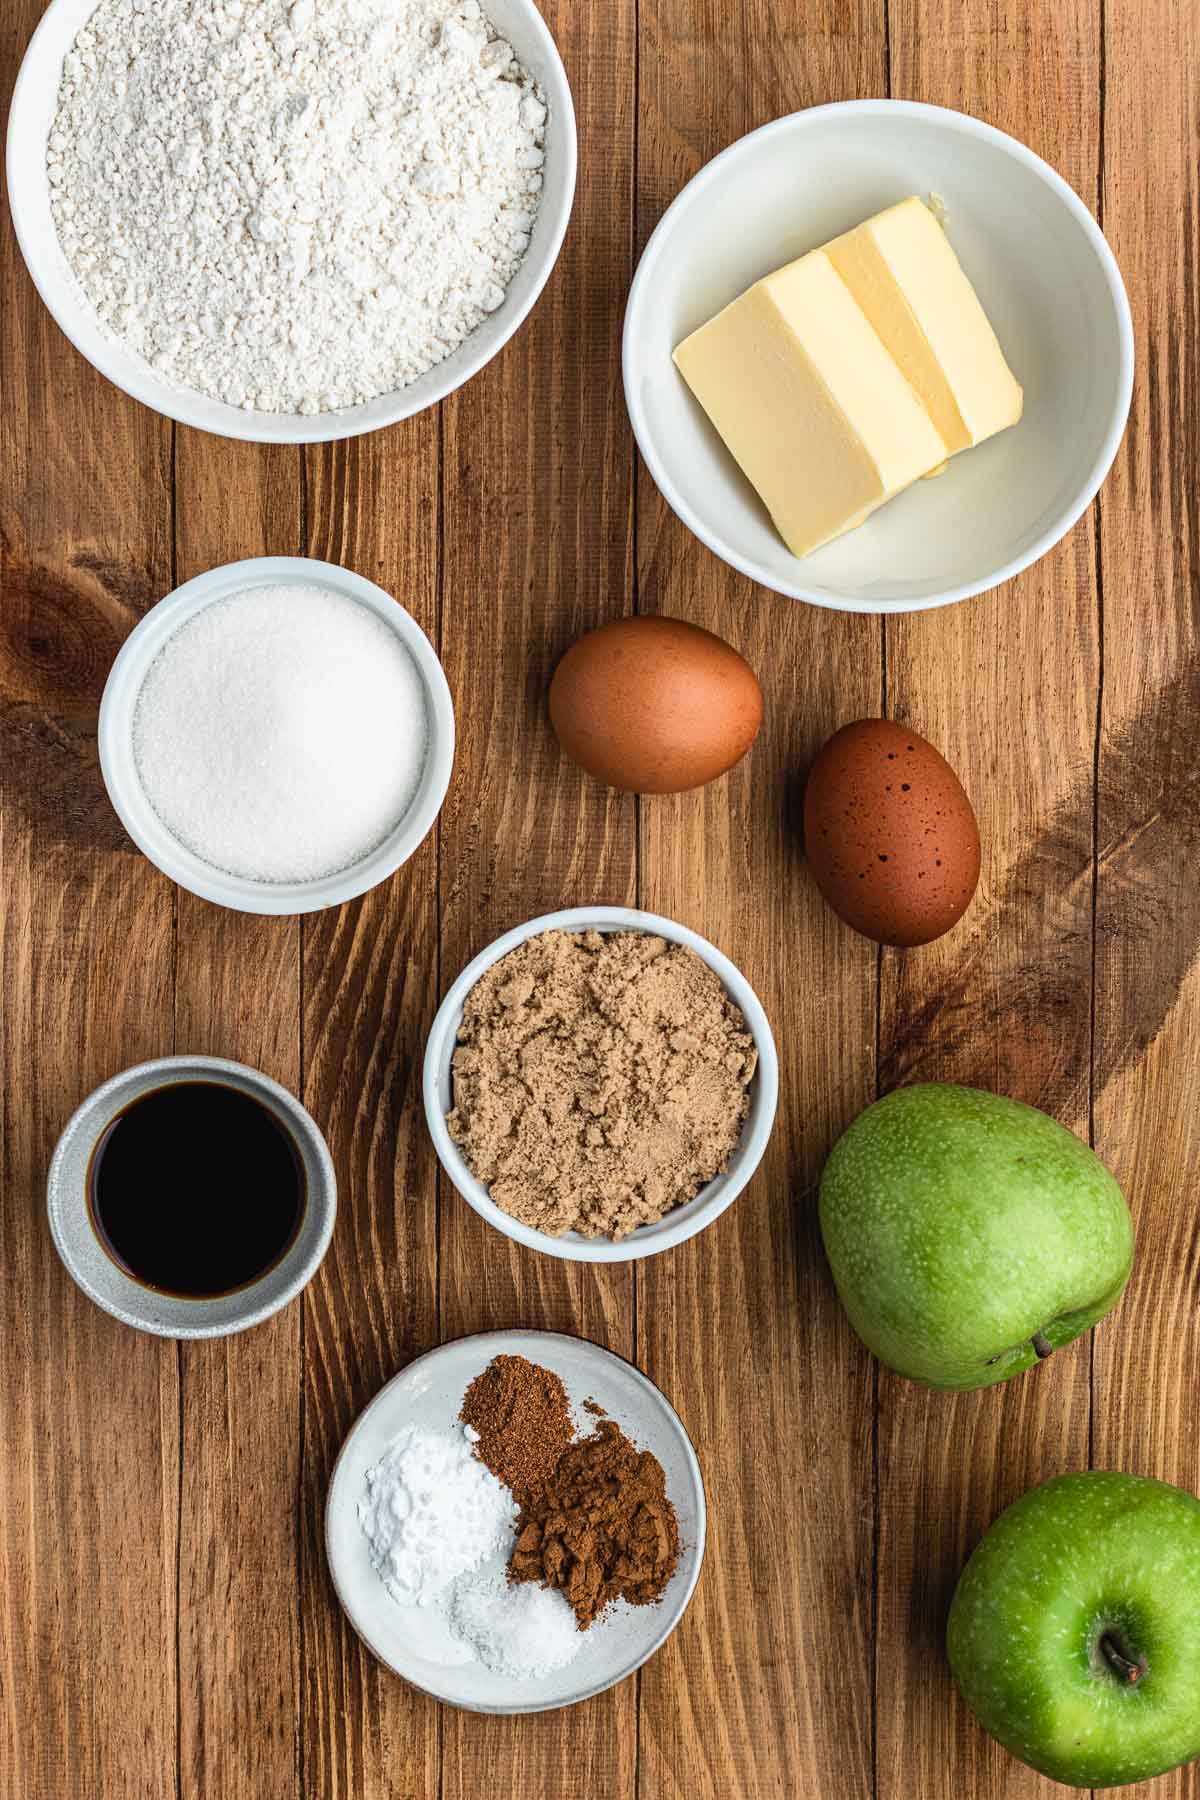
x=1046 y=278
x=119 y=767
x=30 y=119
x=429 y=1393
x=171 y=1315
x=685 y=1221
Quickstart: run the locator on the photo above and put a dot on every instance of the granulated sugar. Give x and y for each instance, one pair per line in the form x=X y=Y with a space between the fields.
x=294 y=205
x=281 y=733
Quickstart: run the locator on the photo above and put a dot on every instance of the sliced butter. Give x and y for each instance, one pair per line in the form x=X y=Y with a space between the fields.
x=901 y=268
x=809 y=402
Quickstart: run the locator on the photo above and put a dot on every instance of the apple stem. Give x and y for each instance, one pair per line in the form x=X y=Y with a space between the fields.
x=1119 y=1662
x=1042 y=1345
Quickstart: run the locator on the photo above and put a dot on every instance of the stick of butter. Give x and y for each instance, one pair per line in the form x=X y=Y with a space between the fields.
x=849 y=374
x=809 y=402
x=901 y=268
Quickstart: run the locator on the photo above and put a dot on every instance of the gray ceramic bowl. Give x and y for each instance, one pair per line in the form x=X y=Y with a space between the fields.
x=90 y=1265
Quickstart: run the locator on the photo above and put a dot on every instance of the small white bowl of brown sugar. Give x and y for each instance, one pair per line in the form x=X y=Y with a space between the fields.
x=600 y=1084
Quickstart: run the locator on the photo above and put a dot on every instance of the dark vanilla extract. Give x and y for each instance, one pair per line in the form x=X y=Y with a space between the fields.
x=196 y=1189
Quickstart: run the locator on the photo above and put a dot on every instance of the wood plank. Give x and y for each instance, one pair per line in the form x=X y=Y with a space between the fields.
x=239 y=996
x=370 y=977
x=89 y=1450
x=766 y=1687
x=1004 y=1001
x=537 y=525
x=1148 y=909
x=537 y=549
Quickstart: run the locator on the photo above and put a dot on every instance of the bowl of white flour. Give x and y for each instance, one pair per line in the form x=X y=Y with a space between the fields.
x=291 y=221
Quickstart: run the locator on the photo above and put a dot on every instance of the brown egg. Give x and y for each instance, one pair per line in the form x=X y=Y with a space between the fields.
x=654 y=705
x=890 y=834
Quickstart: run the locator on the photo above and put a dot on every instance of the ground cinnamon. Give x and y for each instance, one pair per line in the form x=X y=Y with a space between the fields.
x=601 y=1529
x=523 y=1418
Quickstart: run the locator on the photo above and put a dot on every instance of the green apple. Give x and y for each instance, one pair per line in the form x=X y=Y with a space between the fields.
x=1074 y=1633
x=969 y=1235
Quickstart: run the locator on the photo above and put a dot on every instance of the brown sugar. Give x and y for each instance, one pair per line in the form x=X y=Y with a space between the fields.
x=523 y=1418
x=603 y=1529
x=599 y=1080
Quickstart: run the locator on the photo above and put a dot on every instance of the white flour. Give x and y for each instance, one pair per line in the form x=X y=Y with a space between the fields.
x=294 y=207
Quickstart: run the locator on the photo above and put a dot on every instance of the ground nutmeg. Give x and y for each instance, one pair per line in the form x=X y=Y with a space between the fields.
x=523 y=1418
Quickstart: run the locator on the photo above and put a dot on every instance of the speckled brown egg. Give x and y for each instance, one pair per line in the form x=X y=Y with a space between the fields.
x=890 y=834
x=654 y=705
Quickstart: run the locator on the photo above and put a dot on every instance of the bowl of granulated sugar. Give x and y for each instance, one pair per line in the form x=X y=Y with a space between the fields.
x=277 y=735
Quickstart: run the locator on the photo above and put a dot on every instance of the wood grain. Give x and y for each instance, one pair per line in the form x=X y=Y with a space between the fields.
x=238 y=995
x=1020 y=968
x=538 y=547
x=370 y=988
x=89 y=1440
x=167 y=1626
x=1147 y=1365
x=766 y=1687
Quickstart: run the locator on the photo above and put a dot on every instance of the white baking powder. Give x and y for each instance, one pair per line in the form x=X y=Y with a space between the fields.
x=281 y=733
x=432 y=1512
x=294 y=205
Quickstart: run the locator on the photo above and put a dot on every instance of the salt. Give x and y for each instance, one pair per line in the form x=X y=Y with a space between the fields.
x=281 y=733
x=521 y=1631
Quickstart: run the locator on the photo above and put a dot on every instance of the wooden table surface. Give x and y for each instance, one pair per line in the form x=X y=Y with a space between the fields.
x=167 y=1627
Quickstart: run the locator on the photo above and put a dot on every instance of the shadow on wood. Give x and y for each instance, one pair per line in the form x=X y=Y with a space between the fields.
x=58 y=640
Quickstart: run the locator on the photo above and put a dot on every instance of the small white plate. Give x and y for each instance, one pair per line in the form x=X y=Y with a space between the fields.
x=1047 y=280
x=429 y=1392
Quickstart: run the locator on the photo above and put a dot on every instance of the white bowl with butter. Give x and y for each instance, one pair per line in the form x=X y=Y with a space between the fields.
x=1043 y=274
